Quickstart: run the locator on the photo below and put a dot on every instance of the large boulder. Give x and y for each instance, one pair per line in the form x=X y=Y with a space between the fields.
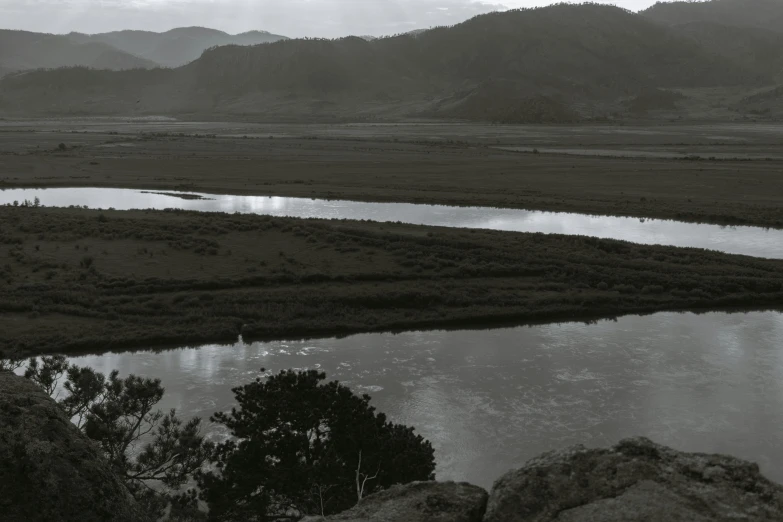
x=418 y=502
x=48 y=469
x=634 y=481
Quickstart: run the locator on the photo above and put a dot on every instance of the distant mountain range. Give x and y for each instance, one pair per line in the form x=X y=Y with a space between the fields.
x=20 y=50
x=120 y=50
x=559 y=63
x=177 y=46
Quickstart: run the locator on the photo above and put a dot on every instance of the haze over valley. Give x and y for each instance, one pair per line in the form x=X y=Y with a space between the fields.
x=119 y=50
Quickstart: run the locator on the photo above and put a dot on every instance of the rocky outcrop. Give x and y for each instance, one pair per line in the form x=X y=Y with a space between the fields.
x=634 y=481
x=418 y=502
x=48 y=469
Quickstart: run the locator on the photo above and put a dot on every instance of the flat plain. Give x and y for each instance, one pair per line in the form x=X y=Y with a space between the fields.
x=726 y=174
x=76 y=280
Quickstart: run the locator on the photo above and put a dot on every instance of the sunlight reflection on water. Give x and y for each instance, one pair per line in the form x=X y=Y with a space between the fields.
x=490 y=399
x=751 y=241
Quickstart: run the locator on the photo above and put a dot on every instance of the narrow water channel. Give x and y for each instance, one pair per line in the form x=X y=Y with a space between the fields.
x=489 y=400
x=752 y=241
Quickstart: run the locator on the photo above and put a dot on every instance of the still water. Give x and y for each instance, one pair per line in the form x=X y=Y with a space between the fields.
x=751 y=241
x=489 y=400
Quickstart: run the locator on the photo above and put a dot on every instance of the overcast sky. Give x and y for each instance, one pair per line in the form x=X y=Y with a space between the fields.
x=323 y=18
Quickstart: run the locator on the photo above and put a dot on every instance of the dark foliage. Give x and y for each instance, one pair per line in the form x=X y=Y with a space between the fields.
x=307 y=447
x=146 y=447
x=10 y=361
x=47 y=372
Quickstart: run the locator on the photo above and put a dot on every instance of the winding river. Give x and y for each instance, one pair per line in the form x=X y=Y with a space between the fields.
x=490 y=399
x=751 y=241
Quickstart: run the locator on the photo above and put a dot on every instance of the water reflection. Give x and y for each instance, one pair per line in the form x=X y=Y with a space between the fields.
x=736 y=240
x=489 y=400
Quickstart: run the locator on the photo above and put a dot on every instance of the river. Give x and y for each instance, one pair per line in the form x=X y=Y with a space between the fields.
x=490 y=399
x=752 y=241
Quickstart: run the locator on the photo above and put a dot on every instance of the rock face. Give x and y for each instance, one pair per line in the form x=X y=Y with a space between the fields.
x=636 y=480
x=418 y=502
x=48 y=469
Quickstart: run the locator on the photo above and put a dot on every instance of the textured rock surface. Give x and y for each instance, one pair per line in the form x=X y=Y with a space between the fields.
x=418 y=502
x=48 y=469
x=636 y=480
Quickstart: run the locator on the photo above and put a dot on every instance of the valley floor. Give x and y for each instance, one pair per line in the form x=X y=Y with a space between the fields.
x=726 y=174
x=75 y=280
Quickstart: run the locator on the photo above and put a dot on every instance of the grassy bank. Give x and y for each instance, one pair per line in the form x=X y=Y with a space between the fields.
x=409 y=170
x=90 y=280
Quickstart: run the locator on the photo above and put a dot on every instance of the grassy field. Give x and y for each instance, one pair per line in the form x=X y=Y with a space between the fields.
x=458 y=164
x=77 y=280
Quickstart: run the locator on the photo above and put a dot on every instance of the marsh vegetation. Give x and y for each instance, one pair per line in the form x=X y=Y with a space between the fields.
x=78 y=279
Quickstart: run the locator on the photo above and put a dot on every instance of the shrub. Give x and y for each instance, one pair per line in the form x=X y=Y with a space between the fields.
x=119 y=415
x=313 y=447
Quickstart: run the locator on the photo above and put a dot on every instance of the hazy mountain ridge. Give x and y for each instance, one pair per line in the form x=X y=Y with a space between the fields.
x=20 y=50
x=175 y=47
x=557 y=63
x=25 y=50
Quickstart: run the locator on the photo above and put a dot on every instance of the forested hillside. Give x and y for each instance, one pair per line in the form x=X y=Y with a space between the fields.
x=766 y=14
x=560 y=63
